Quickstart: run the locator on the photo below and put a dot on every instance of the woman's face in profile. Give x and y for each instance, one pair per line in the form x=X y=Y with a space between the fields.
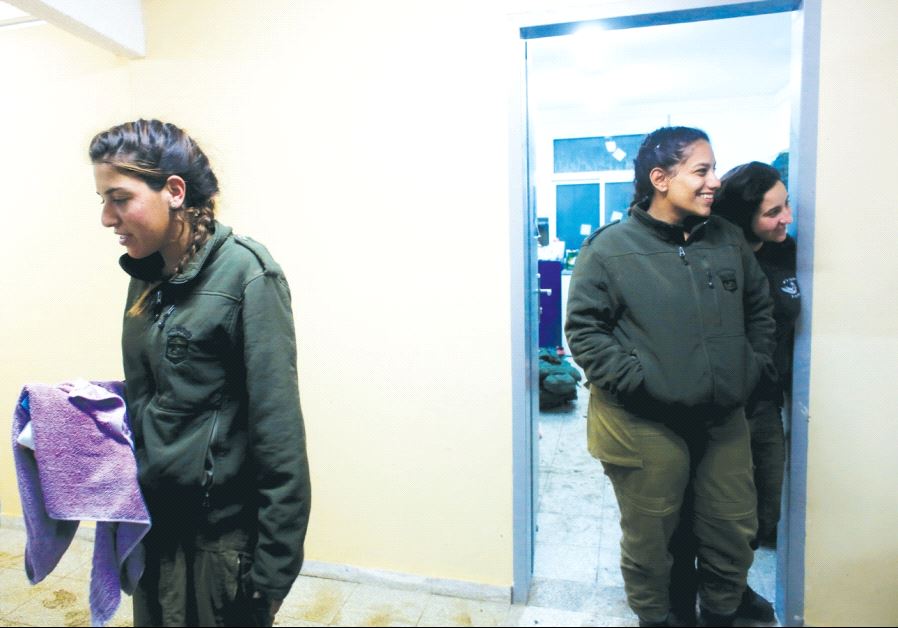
x=692 y=183
x=773 y=216
x=136 y=213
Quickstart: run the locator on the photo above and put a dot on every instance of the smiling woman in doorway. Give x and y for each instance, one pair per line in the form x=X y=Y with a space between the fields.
x=211 y=386
x=753 y=197
x=669 y=315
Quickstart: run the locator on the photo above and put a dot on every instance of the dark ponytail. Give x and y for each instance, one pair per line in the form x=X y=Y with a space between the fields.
x=741 y=192
x=662 y=148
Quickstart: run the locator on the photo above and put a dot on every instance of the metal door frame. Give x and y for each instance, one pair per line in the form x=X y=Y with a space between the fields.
x=802 y=179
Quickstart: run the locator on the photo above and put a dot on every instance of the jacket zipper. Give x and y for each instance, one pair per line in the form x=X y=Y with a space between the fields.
x=707 y=268
x=165 y=316
x=682 y=253
x=698 y=302
x=209 y=470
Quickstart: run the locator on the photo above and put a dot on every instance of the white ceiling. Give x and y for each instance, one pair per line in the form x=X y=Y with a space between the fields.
x=737 y=57
x=12 y=15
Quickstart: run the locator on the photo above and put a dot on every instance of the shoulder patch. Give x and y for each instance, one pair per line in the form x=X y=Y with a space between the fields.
x=592 y=235
x=259 y=251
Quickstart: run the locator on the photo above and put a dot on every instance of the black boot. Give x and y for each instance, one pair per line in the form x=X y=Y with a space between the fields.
x=682 y=616
x=755 y=607
x=707 y=618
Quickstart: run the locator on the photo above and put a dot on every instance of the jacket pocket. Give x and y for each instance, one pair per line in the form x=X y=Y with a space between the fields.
x=734 y=369
x=608 y=435
x=192 y=363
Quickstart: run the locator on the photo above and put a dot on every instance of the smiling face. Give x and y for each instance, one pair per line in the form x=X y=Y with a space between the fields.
x=688 y=188
x=774 y=215
x=140 y=216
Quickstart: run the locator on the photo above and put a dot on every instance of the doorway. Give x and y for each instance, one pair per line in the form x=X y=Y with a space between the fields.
x=736 y=73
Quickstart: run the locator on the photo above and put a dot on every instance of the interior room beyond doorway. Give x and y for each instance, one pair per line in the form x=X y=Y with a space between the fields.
x=592 y=97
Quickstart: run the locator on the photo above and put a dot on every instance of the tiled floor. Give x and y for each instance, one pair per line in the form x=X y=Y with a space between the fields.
x=61 y=599
x=576 y=581
x=577 y=565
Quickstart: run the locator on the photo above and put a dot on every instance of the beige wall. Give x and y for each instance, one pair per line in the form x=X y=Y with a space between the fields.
x=368 y=148
x=61 y=304
x=852 y=508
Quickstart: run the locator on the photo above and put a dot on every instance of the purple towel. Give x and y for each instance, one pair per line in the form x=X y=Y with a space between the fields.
x=82 y=468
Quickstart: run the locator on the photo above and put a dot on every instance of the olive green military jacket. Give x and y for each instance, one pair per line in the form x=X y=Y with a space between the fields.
x=213 y=399
x=661 y=322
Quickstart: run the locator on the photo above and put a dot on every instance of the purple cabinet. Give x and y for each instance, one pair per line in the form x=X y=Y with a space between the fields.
x=549 y=303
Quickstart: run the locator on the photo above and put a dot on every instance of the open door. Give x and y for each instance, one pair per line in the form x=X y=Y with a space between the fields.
x=525 y=310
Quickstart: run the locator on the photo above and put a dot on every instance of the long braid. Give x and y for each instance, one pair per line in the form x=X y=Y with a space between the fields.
x=201 y=222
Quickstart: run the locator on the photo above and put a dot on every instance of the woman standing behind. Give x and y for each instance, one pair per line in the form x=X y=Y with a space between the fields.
x=210 y=366
x=670 y=317
x=753 y=197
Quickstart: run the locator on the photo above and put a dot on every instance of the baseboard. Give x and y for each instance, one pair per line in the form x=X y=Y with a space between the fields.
x=17 y=522
x=411 y=582
x=351 y=573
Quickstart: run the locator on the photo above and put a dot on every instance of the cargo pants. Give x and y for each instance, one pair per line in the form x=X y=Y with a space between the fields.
x=651 y=465
x=768 y=449
x=194 y=579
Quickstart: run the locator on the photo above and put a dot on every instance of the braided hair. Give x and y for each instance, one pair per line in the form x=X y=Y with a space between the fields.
x=662 y=148
x=152 y=151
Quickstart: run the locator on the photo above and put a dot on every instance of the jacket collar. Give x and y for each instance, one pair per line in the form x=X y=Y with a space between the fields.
x=693 y=225
x=150 y=268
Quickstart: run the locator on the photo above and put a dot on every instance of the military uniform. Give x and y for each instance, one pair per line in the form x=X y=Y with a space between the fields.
x=673 y=334
x=764 y=408
x=212 y=393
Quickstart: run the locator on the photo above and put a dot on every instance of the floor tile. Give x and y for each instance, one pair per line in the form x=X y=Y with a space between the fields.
x=609 y=576
x=12 y=555
x=762 y=575
x=609 y=542
x=608 y=601
x=16 y=590
x=56 y=601
x=572 y=495
x=565 y=595
x=370 y=605
x=609 y=558
x=557 y=528
x=564 y=562
x=537 y=616
x=602 y=620
x=453 y=611
x=316 y=600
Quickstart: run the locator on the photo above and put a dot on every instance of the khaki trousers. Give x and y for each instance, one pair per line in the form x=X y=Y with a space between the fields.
x=651 y=464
